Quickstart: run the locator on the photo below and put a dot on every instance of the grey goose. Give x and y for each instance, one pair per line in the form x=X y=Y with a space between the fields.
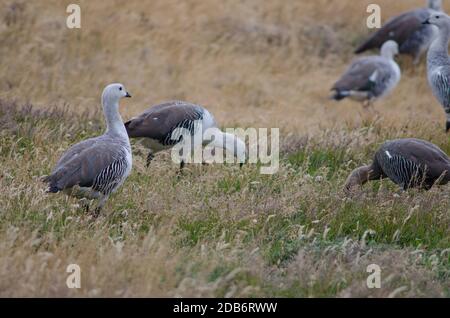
x=96 y=167
x=407 y=162
x=157 y=128
x=370 y=77
x=407 y=30
x=438 y=63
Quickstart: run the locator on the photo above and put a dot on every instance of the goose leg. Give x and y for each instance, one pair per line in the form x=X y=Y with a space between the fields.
x=100 y=205
x=150 y=158
x=85 y=205
x=416 y=58
x=447 y=124
x=182 y=164
x=367 y=104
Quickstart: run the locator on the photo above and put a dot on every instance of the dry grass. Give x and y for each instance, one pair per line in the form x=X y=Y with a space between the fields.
x=219 y=230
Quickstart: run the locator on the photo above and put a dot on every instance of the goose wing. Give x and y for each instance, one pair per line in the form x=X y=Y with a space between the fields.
x=94 y=163
x=362 y=75
x=159 y=121
x=399 y=29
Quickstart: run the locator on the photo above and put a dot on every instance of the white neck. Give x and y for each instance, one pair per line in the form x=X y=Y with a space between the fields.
x=228 y=141
x=438 y=52
x=114 y=122
x=387 y=53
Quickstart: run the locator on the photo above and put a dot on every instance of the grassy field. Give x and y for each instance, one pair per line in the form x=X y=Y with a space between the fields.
x=218 y=230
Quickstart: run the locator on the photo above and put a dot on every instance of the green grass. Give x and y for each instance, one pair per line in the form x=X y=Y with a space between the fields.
x=226 y=229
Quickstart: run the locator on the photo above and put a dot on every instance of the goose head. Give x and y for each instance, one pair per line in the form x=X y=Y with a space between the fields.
x=114 y=92
x=389 y=49
x=439 y=19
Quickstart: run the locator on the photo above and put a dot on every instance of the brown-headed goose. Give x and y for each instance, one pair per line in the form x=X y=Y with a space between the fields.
x=371 y=77
x=407 y=162
x=407 y=30
x=158 y=128
x=96 y=167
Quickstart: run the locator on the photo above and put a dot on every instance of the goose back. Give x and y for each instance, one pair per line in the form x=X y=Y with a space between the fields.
x=412 y=162
x=374 y=75
x=407 y=30
x=159 y=122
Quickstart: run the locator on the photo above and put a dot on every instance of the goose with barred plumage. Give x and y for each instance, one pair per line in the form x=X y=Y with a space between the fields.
x=96 y=167
x=371 y=77
x=159 y=128
x=407 y=30
x=438 y=62
x=407 y=162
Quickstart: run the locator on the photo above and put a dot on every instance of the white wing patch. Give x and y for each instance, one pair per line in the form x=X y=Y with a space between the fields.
x=388 y=154
x=374 y=76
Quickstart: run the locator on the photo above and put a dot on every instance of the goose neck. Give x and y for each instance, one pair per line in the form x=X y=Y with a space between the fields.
x=114 y=122
x=438 y=52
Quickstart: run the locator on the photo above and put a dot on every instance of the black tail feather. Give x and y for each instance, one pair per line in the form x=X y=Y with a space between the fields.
x=339 y=95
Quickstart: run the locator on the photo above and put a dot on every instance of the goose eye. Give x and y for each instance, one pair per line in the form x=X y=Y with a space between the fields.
x=120 y=88
x=437 y=17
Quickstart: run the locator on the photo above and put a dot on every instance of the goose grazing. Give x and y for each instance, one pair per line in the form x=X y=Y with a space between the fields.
x=438 y=63
x=96 y=167
x=407 y=30
x=407 y=162
x=371 y=77
x=158 y=127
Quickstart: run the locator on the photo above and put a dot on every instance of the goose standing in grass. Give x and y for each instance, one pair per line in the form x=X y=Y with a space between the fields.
x=96 y=167
x=407 y=162
x=371 y=77
x=438 y=63
x=158 y=127
x=407 y=30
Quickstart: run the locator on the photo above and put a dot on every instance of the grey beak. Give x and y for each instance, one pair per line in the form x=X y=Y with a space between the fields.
x=427 y=21
x=128 y=95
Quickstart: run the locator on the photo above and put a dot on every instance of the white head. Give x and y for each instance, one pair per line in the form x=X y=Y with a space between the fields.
x=110 y=101
x=389 y=49
x=439 y=19
x=435 y=5
x=113 y=93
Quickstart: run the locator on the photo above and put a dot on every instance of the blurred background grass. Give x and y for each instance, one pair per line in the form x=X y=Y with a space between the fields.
x=253 y=63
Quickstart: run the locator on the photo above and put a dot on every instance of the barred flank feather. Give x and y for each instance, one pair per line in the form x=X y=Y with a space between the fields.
x=111 y=176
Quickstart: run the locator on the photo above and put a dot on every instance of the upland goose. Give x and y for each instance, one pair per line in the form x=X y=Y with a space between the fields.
x=438 y=63
x=96 y=167
x=159 y=128
x=407 y=162
x=407 y=30
x=371 y=77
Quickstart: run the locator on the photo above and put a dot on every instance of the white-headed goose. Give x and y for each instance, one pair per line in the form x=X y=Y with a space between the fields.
x=157 y=128
x=438 y=62
x=407 y=30
x=371 y=77
x=96 y=167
